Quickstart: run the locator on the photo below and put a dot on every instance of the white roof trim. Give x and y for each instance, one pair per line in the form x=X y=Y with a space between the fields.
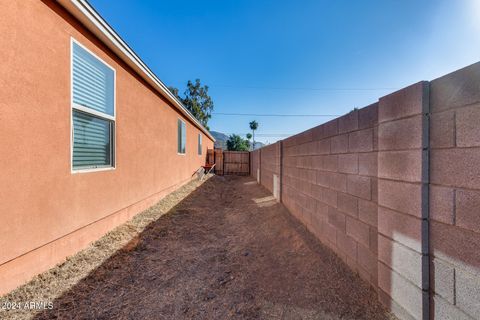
x=84 y=12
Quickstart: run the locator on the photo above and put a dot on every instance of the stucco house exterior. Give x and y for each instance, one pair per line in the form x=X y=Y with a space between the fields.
x=89 y=136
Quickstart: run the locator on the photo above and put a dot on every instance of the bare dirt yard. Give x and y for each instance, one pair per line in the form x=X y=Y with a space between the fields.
x=226 y=251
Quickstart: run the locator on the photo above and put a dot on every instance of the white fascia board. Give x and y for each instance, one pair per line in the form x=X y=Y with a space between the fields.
x=87 y=15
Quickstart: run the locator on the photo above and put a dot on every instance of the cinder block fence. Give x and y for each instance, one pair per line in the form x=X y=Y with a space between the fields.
x=394 y=190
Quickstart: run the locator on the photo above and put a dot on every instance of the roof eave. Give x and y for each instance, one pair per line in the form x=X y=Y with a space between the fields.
x=87 y=15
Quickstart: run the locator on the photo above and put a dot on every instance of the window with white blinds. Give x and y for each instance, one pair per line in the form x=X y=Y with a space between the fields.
x=182 y=137
x=93 y=114
x=199 y=144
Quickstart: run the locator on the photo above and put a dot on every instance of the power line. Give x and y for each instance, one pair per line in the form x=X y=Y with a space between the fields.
x=263 y=134
x=306 y=88
x=273 y=115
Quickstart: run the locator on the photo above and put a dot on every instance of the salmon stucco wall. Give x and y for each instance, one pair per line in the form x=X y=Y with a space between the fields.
x=47 y=212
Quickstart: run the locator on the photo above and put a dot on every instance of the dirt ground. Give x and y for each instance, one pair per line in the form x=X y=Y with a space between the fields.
x=228 y=250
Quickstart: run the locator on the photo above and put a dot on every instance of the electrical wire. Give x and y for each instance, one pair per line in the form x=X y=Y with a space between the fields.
x=305 y=88
x=273 y=115
x=262 y=134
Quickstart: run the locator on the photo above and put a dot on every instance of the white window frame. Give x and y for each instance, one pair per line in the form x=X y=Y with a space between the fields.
x=185 y=125
x=74 y=106
x=200 y=144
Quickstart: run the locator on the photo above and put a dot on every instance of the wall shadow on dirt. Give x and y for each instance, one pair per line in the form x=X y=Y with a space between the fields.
x=219 y=255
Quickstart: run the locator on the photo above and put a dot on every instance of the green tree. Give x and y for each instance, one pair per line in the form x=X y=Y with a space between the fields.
x=196 y=100
x=253 y=127
x=237 y=143
x=249 y=136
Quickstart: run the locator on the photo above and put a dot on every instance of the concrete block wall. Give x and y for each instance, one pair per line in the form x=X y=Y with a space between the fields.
x=270 y=164
x=455 y=194
x=255 y=163
x=329 y=183
x=356 y=183
x=400 y=200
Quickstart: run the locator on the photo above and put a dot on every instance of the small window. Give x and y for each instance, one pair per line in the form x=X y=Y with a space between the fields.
x=93 y=111
x=182 y=137
x=199 y=144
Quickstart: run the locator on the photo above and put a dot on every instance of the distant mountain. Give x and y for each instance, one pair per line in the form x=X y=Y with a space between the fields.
x=221 y=140
x=259 y=144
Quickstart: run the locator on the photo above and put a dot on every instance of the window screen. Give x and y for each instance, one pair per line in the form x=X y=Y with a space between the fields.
x=93 y=111
x=199 y=144
x=93 y=82
x=182 y=136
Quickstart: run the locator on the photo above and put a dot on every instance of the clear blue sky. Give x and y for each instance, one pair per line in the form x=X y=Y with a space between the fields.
x=268 y=56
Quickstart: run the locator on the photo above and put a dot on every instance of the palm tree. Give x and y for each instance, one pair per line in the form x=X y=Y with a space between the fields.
x=249 y=136
x=253 y=126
